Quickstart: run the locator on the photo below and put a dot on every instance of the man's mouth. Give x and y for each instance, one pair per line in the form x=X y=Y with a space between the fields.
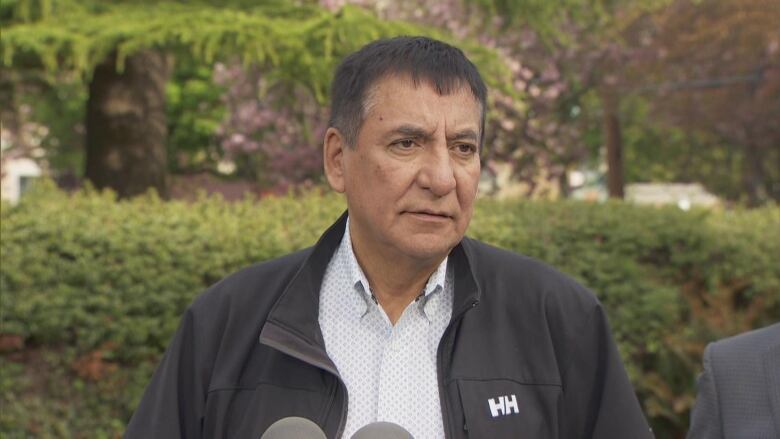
x=429 y=214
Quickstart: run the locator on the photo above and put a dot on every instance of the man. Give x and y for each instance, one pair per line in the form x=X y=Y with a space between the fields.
x=393 y=315
x=739 y=390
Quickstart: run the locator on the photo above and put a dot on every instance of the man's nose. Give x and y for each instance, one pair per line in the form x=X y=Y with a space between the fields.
x=437 y=173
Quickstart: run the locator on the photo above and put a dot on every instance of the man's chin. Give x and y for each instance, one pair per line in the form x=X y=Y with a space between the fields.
x=427 y=248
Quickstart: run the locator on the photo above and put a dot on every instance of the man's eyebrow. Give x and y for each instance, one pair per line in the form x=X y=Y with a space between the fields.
x=466 y=134
x=418 y=133
x=410 y=131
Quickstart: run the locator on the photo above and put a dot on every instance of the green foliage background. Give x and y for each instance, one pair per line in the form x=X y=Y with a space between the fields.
x=297 y=42
x=194 y=112
x=92 y=289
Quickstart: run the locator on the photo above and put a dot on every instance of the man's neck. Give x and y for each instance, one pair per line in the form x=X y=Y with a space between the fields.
x=396 y=281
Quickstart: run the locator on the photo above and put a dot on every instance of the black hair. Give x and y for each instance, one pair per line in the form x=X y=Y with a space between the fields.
x=441 y=65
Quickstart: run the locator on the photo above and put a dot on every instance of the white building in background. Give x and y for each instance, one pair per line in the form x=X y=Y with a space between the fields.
x=587 y=184
x=17 y=173
x=590 y=185
x=683 y=195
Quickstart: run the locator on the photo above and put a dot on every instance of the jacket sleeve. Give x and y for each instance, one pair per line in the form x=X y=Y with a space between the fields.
x=705 y=418
x=173 y=404
x=599 y=401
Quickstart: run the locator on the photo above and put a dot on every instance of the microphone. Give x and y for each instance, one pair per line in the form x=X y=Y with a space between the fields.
x=294 y=427
x=382 y=430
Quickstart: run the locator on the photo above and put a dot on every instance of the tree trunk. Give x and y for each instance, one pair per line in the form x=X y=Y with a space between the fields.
x=753 y=175
x=126 y=125
x=563 y=184
x=614 y=144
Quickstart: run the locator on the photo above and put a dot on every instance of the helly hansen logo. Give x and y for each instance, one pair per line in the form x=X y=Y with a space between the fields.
x=503 y=405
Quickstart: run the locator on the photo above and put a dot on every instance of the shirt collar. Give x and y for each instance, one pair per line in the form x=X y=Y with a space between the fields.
x=355 y=274
x=433 y=300
x=364 y=297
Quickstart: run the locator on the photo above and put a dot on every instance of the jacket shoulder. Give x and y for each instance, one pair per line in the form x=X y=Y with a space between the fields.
x=747 y=344
x=255 y=287
x=500 y=270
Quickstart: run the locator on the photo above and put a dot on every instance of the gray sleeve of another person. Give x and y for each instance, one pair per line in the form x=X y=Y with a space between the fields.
x=739 y=390
x=705 y=418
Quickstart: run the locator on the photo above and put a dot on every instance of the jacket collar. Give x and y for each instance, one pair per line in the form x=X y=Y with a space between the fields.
x=292 y=325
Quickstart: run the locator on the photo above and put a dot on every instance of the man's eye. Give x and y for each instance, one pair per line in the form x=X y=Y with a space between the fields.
x=404 y=144
x=466 y=148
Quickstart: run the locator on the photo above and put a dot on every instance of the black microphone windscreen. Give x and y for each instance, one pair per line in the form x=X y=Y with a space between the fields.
x=382 y=430
x=293 y=428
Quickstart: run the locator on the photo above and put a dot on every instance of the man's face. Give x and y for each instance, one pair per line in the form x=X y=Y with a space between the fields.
x=412 y=178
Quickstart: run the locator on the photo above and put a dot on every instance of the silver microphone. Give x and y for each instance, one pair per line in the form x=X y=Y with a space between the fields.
x=382 y=430
x=294 y=427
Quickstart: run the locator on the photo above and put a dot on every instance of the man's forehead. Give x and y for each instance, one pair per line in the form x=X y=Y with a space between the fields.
x=391 y=85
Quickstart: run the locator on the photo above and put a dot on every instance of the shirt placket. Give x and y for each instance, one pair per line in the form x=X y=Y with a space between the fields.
x=391 y=391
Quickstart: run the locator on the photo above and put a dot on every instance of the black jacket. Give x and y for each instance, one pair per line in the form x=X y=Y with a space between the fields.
x=249 y=351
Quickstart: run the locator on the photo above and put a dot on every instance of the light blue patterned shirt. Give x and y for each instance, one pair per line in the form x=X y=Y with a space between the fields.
x=389 y=371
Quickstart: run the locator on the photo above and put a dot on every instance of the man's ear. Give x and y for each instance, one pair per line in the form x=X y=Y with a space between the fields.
x=333 y=158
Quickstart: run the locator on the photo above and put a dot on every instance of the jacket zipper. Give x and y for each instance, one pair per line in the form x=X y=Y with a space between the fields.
x=344 y=407
x=443 y=396
x=321 y=365
x=343 y=417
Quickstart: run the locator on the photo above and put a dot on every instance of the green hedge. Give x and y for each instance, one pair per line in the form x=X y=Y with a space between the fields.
x=92 y=288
